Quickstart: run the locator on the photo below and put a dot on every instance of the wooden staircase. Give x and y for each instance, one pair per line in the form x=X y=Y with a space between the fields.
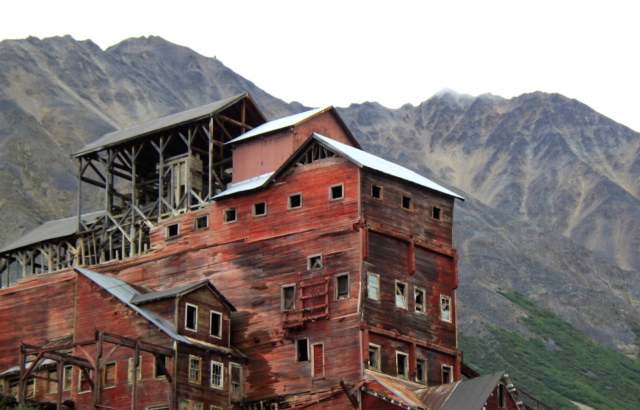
x=312 y=303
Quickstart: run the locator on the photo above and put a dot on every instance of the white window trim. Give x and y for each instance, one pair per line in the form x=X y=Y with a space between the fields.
x=104 y=376
x=433 y=208
x=64 y=379
x=282 y=296
x=297 y=355
x=424 y=371
x=442 y=311
x=80 y=374
x=314 y=256
x=402 y=197
x=406 y=292
x=424 y=300
x=195 y=223
x=381 y=192
x=166 y=231
x=378 y=280
x=253 y=209
x=313 y=361
x=379 y=368
x=450 y=374
x=131 y=368
x=231 y=366
x=330 y=192
x=224 y=215
x=335 y=285
x=186 y=311
x=211 y=313
x=213 y=362
x=199 y=372
x=406 y=364
x=289 y=201
x=157 y=406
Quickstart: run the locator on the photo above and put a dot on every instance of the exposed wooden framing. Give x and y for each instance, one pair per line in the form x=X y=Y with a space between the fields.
x=353 y=401
x=136 y=363
x=224 y=130
x=241 y=124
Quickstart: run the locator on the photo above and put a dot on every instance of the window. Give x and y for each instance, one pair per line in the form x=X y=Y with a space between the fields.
x=294 y=201
x=436 y=213
x=447 y=374
x=318 y=360
x=373 y=285
x=31 y=389
x=445 y=308
x=109 y=375
x=201 y=222
x=376 y=192
x=401 y=295
x=420 y=305
x=260 y=209
x=216 y=324
x=83 y=383
x=314 y=262
x=138 y=370
x=190 y=405
x=191 y=317
x=302 y=350
x=407 y=203
x=502 y=396
x=421 y=371
x=235 y=376
x=195 y=366
x=342 y=286
x=374 y=357
x=52 y=387
x=216 y=408
x=402 y=361
x=217 y=374
x=336 y=192
x=288 y=297
x=172 y=230
x=157 y=370
x=13 y=386
x=229 y=215
x=67 y=381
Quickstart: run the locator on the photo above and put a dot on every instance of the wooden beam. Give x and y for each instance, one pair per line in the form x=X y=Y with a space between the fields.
x=411 y=339
x=224 y=130
x=160 y=364
x=353 y=401
x=34 y=363
x=235 y=122
x=76 y=361
x=131 y=343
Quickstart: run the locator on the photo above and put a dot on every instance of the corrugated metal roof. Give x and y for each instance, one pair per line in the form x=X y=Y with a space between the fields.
x=279 y=124
x=435 y=397
x=400 y=387
x=117 y=137
x=16 y=369
x=51 y=230
x=245 y=185
x=473 y=393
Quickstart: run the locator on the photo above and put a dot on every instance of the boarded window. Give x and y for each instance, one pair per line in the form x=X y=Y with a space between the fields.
x=314 y=262
x=67 y=378
x=172 y=230
x=260 y=209
x=195 y=369
x=302 y=350
x=31 y=388
x=374 y=357
x=216 y=324
x=402 y=362
x=318 y=360
x=342 y=287
x=52 y=387
x=230 y=215
x=336 y=192
x=13 y=387
x=421 y=371
x=83 y=384
x=191 y=317
x=157 y=370
x=109 y=375
x=217 y=374
x=437 y=213
x=138 y=369
x=288 y=297
x=502 y=396
x=373 y=285
x=407 y=203
x=401 y=295
x=447 y=374
x=201 y=222
x=420 y=306
x=445 y=308
x=295 y=201
x=376 y=191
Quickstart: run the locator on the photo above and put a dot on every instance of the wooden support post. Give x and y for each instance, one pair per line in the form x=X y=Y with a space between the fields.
x=353 y=401
x=97 y=372
x=161 y=177
x=211 y=191
x=135 y=375
x=79 y=194
x=60 y=385
x=21 y=381
x=244 y=115
x=132 y=229
x=187 y=177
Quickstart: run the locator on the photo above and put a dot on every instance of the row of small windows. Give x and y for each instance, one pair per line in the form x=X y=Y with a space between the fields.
x=191 y=320
x=377 y=192
x=217 y=373
x=401 y=296
x=402 y=366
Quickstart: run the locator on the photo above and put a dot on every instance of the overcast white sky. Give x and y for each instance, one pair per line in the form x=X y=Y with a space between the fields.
x=343 y=52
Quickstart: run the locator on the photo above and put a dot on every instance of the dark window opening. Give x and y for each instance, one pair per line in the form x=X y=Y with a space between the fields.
x=295 y=201
x=406 y=202
x=230 y=215
x=446 y=375
x=502 y=396
x=216 y=324
x=157 y=370
x=437 y=213
x=401 y=361
x=421 y=371
x=374 y=357
x=342 y=287
x=260 y=209
x=401 y=295
x=376 y=191
x=200 y=222
x=420 y=300
x=191 y=317
x=109 y=375
x=314 y=262
x=288 y=297
x=172 y=230
x=302 y=350
x=335 y=192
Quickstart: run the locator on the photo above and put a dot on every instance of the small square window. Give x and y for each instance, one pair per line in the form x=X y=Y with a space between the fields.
x=216 y=324
x=407 y=203
x=336 y=192
x=421 y=371
x=447 y=374
x=195 y=369
x=217 y=375
x=420 y=305
x=437 y=213
x=191 y=317
x=302 y=350
x=342 y=287
x=230 y=215
x=374 y=357
x=288 y=297
x=376 y=192
x=172 y=231
x=260 y=209
x=200 y=222
x=401 y=295
x=109 y=375
x=314 y=262
x=373 y=286
x=295 y=201
x=445 y=308
x=402 y=361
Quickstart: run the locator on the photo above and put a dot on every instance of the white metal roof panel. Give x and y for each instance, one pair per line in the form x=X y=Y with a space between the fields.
x=245 y=185
x=279 y=124
x=16 y=369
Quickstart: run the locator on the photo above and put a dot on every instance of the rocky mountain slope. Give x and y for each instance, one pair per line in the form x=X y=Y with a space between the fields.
x=553 y=187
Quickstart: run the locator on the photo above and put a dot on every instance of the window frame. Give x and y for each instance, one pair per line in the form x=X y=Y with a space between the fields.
x=221 y=386
x=104 y=375
x=225 y=219
x=199 y=359
x=166 y=231
x=410 y=202
x=231 y=366
x=336 y=287
x=502 y=396
x=331 y=198
x=80 y=375
x=282 y=296
x=211 y=313
x=379 y=354
x=313 y=361
x=377 y=276
x=381 y=192
x=66 y=387
x=433 y=213
x=253 y=209
x=195 y=223
x=297 y=352
x=309 y=267
x=49 y=383
x=415 y=300
x=406 y=365
x=31 y=395
x=160 y=376
x=289 y=207
x=450 y=368
x=424 y=371
x=131 y=367
x=442 y=298
x=191 y=404
x=186 y=312
x=406 y=292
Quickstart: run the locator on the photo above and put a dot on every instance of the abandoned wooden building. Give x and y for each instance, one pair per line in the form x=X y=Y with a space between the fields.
x=238 y=263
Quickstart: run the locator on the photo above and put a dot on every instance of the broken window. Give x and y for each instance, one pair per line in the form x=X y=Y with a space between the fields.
x=217 y=374
x=420 y=305
x=13 y=386
x=216 y=324
x=402 y=361
x=342 y=287
x=502 y=396
x=195 y=369
x=235 y=376
x=318 y=360
x=157 y=371
x=401 y=295
x=314 y=262
x=336 y=191
x=437 y=213
x=67 y=378
x=172 y=230
x=52 y=387
x=295 y=201
x=138 y=369
x=109 y=375
x=83 y=383
x=288 y=297
x=201 y=222
x=374 y=357
x=31 y=389
x=373 y=286
x=376 y=191
x=230 y=215
x=445 y=308
x=191 y=317
x=406 y=202
x=447 y=374
x=302 y=350
x=260 y=209
x=421 y=371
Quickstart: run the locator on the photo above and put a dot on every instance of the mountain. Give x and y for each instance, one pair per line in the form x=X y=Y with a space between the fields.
x=552 y=187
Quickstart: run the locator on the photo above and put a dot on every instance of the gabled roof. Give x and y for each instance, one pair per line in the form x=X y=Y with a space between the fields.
x=179 y=291
x=473 y=393
x=117 y=137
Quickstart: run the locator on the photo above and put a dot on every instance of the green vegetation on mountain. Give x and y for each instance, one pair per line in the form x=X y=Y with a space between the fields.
x=556 y=362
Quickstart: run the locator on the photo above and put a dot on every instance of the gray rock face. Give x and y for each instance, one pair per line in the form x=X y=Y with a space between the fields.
x=553 y=190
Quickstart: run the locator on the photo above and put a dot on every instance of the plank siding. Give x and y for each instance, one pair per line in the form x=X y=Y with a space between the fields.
x=206 y=301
